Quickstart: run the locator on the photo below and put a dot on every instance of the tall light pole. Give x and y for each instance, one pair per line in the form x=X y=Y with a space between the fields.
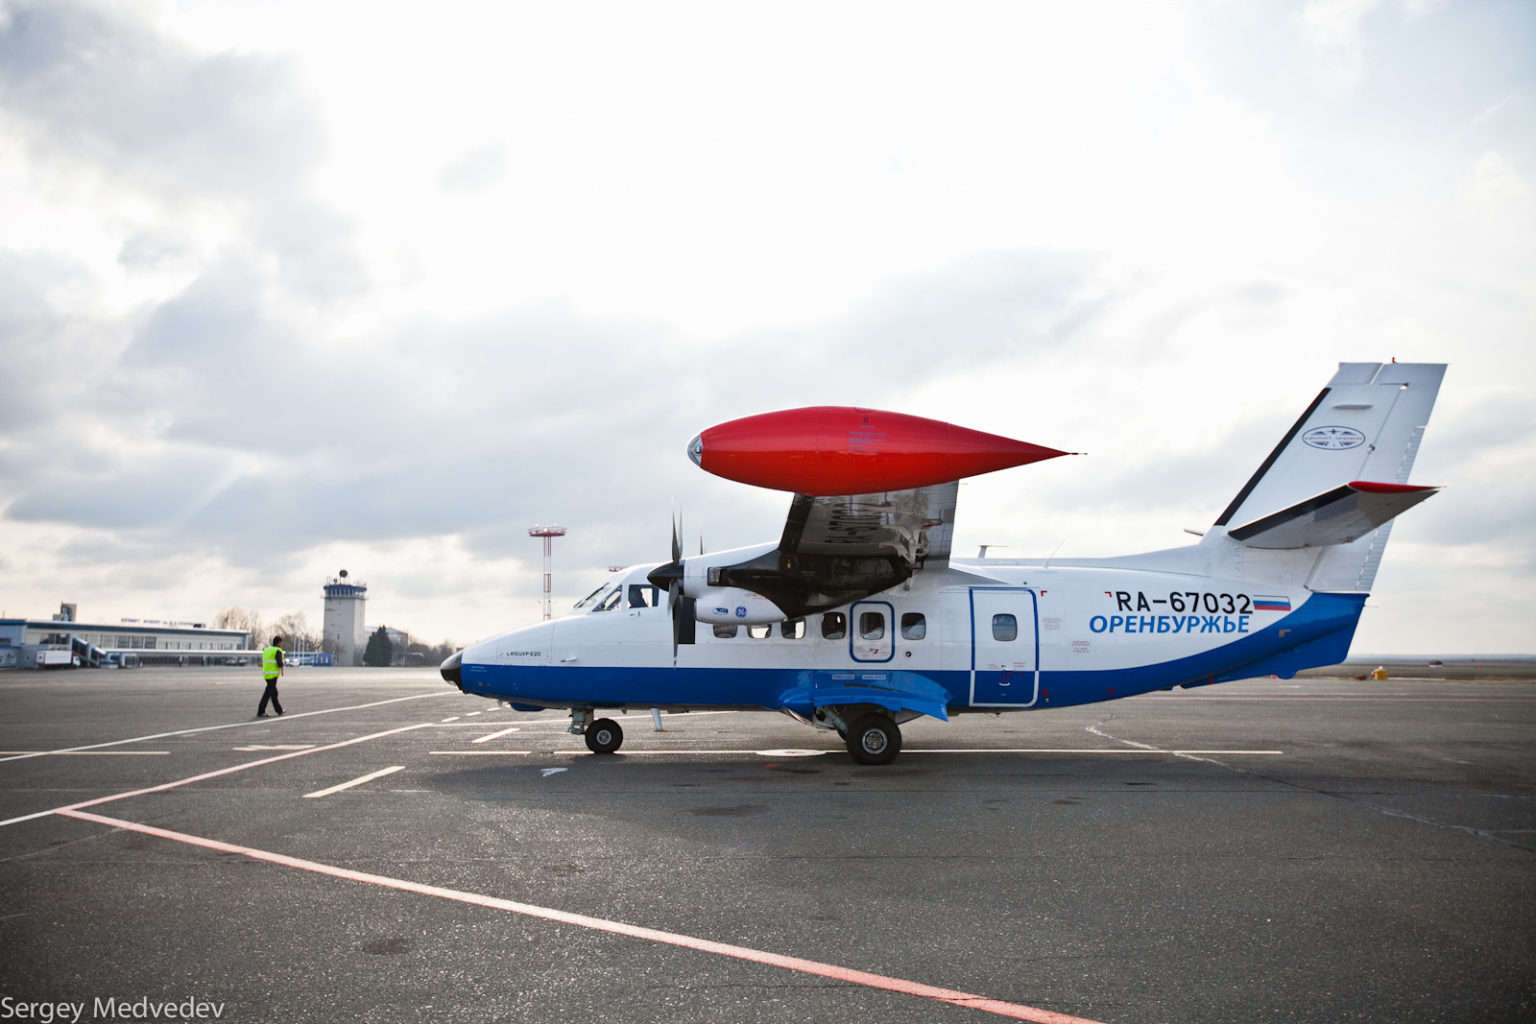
x=549 y=533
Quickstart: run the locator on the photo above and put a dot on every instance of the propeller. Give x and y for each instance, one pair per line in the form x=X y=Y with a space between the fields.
x=679 y=606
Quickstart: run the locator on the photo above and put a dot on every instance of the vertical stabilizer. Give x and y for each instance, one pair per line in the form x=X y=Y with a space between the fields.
x=1364 y=426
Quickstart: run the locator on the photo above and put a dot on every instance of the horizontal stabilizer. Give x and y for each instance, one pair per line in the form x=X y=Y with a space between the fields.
x=1339 y=516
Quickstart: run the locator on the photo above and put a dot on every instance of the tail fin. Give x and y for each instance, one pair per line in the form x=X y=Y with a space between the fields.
x=1340 y=474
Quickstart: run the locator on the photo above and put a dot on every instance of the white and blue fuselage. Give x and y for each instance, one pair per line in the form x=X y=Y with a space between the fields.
x=984 y=636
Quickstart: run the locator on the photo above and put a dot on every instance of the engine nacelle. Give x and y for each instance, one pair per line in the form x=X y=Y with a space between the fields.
x=732 y=605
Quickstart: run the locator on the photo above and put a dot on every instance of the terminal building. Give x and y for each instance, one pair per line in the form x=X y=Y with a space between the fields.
x=62 y=642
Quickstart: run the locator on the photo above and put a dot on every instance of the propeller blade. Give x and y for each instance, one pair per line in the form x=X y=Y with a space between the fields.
x=670 y=576
x=674 y=605
x=682 y=624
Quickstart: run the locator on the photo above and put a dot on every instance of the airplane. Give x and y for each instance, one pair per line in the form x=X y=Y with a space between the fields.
x=859 y=619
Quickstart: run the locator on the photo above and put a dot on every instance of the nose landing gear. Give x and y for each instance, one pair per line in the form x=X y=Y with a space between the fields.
x=603 y=735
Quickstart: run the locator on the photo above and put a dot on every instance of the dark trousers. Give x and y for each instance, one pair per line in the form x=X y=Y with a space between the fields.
x=270 y=695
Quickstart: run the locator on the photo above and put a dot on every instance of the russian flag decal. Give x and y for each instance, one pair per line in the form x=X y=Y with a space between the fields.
x=1271 y=604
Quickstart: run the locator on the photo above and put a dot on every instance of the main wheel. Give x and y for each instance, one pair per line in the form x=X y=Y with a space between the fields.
x=873 y=739
x=604 y=736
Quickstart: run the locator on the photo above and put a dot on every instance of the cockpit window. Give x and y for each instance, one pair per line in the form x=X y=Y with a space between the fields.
x=611 y=601
x=644 y=595
x=591 y=598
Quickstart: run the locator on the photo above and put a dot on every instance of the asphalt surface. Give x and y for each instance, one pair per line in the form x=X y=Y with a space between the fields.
x=1312 y=850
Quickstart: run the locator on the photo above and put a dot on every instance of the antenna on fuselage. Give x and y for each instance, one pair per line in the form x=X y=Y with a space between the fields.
x=1052 y=555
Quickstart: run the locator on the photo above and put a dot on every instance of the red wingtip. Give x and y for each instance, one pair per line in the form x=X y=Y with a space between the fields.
x=1372 y=487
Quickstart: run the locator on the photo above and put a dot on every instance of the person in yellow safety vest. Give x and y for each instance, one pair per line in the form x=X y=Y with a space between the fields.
x=271 y=671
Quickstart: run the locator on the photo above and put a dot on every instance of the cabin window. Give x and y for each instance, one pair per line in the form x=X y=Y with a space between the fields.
x=914 y=626
x=725 y=630
x=792 y=629
x=834 y=626
x=1005 y=627
x=871 y=625
x=759 y=632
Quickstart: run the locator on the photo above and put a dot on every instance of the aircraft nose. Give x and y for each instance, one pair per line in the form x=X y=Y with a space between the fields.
x=450 y=668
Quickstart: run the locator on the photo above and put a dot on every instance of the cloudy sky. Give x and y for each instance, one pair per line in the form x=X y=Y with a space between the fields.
x=296 y=286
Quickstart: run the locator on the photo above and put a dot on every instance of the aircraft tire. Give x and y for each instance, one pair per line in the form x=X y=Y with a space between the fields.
x=873 y=739
x=604 y=736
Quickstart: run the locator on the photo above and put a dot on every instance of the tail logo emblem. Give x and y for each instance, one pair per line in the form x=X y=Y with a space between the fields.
x=1333 y=439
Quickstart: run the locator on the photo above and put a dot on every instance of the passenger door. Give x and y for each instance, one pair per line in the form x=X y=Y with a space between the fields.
x=1005 y=648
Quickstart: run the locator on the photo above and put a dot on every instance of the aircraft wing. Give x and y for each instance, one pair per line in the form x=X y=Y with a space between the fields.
x=914 y=527
x=839 y=548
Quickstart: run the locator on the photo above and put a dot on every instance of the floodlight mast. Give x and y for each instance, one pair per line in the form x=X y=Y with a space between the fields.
x=549 y=533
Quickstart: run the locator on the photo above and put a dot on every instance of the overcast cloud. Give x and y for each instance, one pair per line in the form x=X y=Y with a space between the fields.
x=292 y=287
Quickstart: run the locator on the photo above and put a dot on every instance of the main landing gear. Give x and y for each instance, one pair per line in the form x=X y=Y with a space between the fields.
x=603 y=735
x=873 y=739
x=870 y=733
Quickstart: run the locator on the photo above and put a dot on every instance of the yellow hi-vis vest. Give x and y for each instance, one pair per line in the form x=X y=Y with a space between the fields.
x=269 y=662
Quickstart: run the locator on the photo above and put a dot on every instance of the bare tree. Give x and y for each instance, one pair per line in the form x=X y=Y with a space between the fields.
x=427 y=654
x=242 y=618
x=442 y=651
x=295 y=631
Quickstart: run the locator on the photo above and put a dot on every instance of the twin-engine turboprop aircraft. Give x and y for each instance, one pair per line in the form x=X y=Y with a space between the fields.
x=858 y=619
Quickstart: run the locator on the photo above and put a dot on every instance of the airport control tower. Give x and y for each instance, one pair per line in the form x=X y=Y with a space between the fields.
x=344 y=630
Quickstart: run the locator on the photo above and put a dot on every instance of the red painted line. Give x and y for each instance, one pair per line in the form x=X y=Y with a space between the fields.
x=997 y=1007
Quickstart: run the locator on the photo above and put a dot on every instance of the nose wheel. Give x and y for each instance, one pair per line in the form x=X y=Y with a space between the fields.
x=603 y=736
